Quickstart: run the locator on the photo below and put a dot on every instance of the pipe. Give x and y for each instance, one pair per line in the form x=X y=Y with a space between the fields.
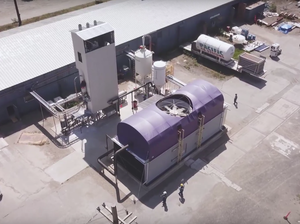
x=49 y=108
x=132 y=91
x=104 y=166
x=115 y=160
x=175 y=81
x=150 y=40
x=115 y=172
x=143 y=41
x=75 y=84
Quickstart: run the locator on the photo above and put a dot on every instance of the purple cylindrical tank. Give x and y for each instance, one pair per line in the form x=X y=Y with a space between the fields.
x=152 y=131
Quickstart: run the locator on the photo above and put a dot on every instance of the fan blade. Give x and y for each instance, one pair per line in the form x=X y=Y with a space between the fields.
x=168 y=108
x=182 y=114
x=180 y=110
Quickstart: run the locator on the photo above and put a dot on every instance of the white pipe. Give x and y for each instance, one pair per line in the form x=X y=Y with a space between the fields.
x=175 y=81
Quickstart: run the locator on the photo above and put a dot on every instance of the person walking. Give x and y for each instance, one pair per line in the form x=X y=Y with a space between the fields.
x=235 y=100
x=181 y=188
x=164 y=199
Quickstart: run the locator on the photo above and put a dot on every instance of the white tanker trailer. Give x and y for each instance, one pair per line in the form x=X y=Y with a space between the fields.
x=222 y=53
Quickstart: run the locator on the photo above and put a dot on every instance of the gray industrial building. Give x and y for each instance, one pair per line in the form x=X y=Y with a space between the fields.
x=40 y=56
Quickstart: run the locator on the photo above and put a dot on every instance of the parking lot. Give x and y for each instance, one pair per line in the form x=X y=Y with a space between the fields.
x=251 y=178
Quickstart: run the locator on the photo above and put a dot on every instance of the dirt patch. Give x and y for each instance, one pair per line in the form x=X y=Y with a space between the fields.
x=33 y=138
x=288 y=6
x=198 y=67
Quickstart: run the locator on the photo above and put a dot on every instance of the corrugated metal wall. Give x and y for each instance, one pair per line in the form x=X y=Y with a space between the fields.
x=250 y=14
x=56 y=83
x=171 y=37
x=169 y=158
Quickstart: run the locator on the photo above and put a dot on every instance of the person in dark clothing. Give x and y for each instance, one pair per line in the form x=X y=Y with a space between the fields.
x=181 y=188
x=235 y=100
x=164 y=199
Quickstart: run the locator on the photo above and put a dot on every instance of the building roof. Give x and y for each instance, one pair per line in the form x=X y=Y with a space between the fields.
x=152 y=131
x=93 y=31
x=37 y=51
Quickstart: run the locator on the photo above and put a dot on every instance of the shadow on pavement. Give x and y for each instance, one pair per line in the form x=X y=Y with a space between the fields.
x=251 y=80
x=172 y=183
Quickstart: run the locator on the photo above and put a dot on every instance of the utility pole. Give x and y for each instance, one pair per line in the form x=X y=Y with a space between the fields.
x=18 y=13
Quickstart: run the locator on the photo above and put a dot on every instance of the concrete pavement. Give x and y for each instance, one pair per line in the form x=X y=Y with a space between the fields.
x=253 y=178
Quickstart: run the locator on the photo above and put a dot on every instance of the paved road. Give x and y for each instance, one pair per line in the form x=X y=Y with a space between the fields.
x=34 y=8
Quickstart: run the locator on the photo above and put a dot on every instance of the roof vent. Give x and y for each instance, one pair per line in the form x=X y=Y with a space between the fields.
x=87 y=25
x=79 y=27
x=176 y=105
x=95 y=22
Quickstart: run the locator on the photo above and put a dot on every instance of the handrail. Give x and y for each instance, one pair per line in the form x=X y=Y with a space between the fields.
x=54 y=112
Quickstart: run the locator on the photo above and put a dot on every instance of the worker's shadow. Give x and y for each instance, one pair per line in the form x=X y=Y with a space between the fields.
x=182 y=200
x=166 y=208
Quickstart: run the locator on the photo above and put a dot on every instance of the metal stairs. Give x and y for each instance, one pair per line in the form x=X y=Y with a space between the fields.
x=201 y=119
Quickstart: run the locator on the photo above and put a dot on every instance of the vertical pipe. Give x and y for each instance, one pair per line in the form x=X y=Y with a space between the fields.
x=42 y=113
x=114 y=213
x=54 y=126
x=150 y=41
x=143 y=41
x=75 y=85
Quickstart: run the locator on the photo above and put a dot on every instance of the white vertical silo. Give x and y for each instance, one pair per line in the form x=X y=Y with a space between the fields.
x=159 y=73
x=143 y=63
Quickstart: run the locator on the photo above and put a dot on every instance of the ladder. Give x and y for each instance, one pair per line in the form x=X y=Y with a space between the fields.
x=201 y=119
x=180 y=144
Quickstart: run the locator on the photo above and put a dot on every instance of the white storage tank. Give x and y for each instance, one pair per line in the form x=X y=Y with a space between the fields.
x=159 y=73
x=143 y=62
x=215 y=47
x=238 y=39
x=236 y=30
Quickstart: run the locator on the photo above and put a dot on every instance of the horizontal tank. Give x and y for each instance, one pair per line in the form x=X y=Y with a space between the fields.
x=215 y=47
x=153 y=130
x=159 y=73
x=143 y=62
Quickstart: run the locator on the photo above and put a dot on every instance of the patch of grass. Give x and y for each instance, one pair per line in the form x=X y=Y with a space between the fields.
x=187 y=67
x=190 y=62
x=237 y=53
x=49 y=15
x=219 y=76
